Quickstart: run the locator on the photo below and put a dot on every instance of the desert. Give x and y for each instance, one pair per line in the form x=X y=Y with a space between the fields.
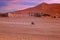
x=22 y=29
x=18 y=25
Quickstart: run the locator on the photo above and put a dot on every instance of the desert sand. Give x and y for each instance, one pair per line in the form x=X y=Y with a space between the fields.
x=22 y=29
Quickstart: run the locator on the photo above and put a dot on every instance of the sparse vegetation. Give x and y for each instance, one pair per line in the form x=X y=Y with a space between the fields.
x=59 y=17
x=54 y=16
x=46 y=15
x=32 y=23
x=4 y=15
x=37 y=15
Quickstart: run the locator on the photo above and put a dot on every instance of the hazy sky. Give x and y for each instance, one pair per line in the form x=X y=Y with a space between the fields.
x=13 y=5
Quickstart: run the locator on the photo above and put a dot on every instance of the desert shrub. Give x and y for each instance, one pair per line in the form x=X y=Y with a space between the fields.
x=54 y=16
x=37 y=15
x=32 y=23
x=46 y=15
x=59 y=17
x=4 y=15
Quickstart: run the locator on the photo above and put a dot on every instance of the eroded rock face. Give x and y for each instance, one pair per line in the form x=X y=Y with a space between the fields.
x=52 y=9
x=3 y=14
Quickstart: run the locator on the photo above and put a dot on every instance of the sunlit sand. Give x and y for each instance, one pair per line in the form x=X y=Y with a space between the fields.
x=22 y=29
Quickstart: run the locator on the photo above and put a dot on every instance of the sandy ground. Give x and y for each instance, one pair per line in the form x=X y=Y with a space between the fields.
x=22 y=29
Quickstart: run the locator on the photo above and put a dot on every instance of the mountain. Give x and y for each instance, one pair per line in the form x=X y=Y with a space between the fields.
x=52 y=9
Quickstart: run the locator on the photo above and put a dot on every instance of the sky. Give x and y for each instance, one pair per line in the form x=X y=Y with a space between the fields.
x=13 y=5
